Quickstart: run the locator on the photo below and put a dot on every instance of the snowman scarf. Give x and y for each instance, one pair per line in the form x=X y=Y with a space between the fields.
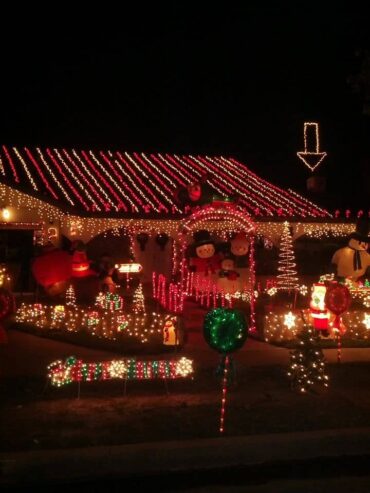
x=356 y=259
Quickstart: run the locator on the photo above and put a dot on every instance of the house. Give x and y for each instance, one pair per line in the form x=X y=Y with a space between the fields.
x=58 y=194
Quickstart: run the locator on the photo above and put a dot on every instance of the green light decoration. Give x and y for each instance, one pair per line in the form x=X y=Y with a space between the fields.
x=225 y=329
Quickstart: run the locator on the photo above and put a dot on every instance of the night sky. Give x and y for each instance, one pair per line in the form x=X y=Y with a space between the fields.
x=218 y=80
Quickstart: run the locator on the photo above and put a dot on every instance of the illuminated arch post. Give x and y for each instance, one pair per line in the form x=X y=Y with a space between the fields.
x=220 y=218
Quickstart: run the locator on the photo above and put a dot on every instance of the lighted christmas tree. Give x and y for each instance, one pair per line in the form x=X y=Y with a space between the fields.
x=70 y=296
x=307 y=362
x=287 y=280
x=138 y=302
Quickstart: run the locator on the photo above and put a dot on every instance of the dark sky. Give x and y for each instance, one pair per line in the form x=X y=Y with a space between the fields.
x=182 y=78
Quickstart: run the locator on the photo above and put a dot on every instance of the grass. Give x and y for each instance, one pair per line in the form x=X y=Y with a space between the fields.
x=260 y=402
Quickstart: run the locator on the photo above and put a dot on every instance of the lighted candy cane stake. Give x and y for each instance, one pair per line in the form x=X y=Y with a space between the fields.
x=225 y=330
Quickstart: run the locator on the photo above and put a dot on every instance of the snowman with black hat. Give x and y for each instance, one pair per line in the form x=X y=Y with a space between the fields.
x=353 y=260
x=206 y=260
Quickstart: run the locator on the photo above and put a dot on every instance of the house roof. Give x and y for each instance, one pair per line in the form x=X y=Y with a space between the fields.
x=117 y=183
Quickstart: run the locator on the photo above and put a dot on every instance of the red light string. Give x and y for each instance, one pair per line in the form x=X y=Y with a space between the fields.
x=43 y=178
x=153 y=171
x=111 y=179
x=136 y=181
x=224 y=392
x=97 y=173
x=161 y=205
x=165 y=165
x=238 y=185
x=45 y=162
x=6 y=152
x=69 y=184
x=87 y=181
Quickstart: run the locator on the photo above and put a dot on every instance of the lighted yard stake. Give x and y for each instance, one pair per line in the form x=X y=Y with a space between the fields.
x=225 y=330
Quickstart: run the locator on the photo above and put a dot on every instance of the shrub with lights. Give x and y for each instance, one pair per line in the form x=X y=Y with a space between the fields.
x=307 y=363
x=107 y=319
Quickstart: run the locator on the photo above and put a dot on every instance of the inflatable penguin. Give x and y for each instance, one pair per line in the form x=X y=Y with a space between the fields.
x=353 y=260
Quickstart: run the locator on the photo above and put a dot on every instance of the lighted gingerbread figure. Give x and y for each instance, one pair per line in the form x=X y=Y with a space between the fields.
x=207 y=260
x=353 y=260
x=239 y=247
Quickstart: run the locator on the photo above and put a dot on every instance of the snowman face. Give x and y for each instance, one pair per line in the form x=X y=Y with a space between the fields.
x=227 y=264
x=239 y=247
x=205 y=251
x=169 y=325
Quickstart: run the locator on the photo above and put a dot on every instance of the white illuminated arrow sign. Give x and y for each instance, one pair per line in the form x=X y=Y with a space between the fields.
x=311 y=158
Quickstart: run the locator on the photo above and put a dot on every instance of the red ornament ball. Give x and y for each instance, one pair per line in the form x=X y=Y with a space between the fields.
x=51 y=267
x=337 y=298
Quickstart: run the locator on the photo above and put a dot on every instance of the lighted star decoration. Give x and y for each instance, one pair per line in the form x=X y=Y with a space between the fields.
x=289 y=320
x=117 y=369
x=272 y=291
x=366 y=320
x=303 y=290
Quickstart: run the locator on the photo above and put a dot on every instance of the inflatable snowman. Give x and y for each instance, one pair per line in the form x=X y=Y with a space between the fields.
x=228 y=281
x=207 y=261
x=353 y=260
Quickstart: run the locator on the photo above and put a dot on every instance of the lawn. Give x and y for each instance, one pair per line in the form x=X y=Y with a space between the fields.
x=260 y=401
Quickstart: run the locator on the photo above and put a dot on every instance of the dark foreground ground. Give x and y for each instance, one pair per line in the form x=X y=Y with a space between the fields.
x=259 y=402
x=38 y=419
x=325 y=475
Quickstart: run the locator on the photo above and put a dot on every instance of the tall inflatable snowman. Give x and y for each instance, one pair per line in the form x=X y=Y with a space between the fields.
x=353 y=260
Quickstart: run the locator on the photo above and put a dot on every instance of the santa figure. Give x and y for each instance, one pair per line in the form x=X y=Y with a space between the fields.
x=353 y=260
x=81 y=265
x=318 y=311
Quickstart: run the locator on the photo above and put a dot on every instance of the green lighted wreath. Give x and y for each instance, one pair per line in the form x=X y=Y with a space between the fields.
x=225 y=329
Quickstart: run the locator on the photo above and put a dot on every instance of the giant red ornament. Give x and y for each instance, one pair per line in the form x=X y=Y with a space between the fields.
x=337 y=300
x=53 y=266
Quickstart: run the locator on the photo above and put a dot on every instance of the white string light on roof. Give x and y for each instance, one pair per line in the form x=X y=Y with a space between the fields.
x=46 y=164
x=75 y=178
x=32 y=181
